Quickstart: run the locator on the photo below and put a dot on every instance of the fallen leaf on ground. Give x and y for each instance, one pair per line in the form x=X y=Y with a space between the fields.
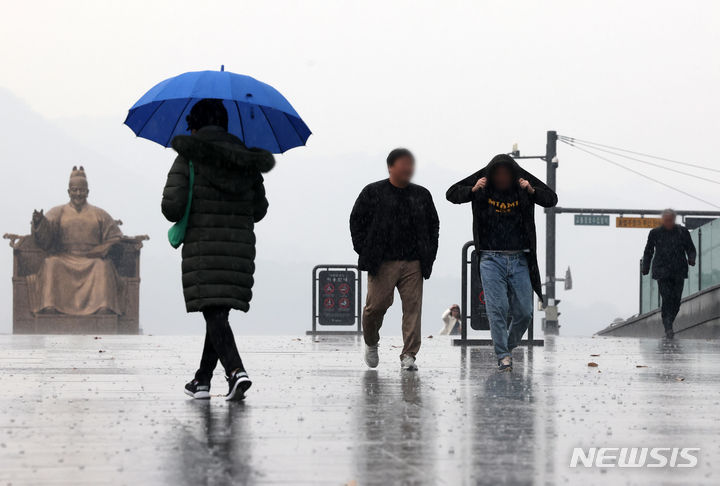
x=594 y=355
x=680 y=378
x=641 y=366
x=430 y=336
x=592 y=364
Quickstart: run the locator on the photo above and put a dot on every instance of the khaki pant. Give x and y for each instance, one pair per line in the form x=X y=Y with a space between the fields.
x=407 y=277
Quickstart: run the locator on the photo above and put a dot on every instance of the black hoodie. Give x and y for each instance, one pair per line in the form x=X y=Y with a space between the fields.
x=485 y=206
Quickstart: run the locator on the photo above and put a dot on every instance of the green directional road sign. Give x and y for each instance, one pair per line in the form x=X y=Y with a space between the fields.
x=592 y=220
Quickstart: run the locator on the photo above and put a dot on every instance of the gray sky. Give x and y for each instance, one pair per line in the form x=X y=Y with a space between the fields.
x=457 y=82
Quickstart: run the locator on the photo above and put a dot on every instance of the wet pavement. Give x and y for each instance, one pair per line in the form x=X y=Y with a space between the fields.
x=80 y=410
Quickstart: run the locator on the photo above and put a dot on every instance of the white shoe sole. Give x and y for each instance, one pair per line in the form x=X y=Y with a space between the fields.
x=238 y=391
x=201 y=395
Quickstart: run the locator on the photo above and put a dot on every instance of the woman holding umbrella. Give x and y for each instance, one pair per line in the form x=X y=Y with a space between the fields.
x=219 y=244
x=215 y=194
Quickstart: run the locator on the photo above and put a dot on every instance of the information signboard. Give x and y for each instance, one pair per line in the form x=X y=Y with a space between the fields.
x=645 y=223
x=336 y=297
x=592 y=220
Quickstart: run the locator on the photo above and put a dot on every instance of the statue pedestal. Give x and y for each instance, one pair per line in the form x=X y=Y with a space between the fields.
x=63 y=324
x=27 y=260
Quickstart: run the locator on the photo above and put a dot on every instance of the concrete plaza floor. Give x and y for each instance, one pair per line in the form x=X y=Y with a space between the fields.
x=82 y=410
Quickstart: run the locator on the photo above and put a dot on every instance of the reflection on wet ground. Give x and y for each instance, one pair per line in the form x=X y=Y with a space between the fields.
x=79 y=410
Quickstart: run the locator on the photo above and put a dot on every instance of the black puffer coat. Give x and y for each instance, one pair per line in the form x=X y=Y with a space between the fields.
x=218 y=253
x=461 y=192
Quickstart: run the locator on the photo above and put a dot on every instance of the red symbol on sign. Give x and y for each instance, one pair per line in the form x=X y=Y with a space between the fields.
x=329 y=303
x=329 y=288
x=344 y=303
x=344 y=288
x=481 y=297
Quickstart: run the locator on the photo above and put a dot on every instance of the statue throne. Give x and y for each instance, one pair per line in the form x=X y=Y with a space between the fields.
x=28 y=258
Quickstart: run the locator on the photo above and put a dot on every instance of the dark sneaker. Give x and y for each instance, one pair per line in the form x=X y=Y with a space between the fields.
x=238 y=384
x=505 y=364
x=196 y=389
x=670 y=334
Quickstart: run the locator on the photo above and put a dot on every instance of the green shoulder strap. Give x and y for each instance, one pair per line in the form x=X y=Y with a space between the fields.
x=176 y=234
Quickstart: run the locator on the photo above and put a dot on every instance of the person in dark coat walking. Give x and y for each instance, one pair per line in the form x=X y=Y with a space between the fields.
x=673 y=250
x=503 y=197
x=395 y=230
x=219 y=247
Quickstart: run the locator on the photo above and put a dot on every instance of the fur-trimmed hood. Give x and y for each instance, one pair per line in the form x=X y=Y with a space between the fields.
x=213 y=145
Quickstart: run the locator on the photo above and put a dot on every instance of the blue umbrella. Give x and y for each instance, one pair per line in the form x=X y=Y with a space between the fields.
x=257 y=113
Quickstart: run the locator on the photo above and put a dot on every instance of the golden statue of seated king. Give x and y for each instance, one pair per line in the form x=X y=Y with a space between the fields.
x=76 y=278
x=76 y=272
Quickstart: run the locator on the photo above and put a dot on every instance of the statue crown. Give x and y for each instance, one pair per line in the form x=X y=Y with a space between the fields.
x=78 y=172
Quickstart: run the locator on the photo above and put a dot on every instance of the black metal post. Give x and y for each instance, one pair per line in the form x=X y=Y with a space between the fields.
x=314 y=300
x=641 y=287
x=464 y=315
x=698 y=260
x=359 y=302
x=551 y=326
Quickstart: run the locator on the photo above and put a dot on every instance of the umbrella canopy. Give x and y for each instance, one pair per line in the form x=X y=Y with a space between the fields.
x=257 y=113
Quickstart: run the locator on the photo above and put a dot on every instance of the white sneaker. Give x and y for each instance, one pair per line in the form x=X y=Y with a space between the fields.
x=408 y=363
x=371 y=356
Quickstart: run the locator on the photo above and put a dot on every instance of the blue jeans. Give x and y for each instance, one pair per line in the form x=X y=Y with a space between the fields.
x=508 y=295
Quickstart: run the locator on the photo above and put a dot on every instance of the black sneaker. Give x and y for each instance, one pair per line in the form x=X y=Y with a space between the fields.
x=670 y=334
x=238 y=384
x=196 y=389
x=505 y=364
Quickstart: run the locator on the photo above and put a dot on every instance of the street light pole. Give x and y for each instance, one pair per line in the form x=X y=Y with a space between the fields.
x=550 y=321
x=551 y=325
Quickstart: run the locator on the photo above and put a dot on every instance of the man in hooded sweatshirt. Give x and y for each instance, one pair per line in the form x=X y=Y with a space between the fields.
x=219 y=246
x=503 y=197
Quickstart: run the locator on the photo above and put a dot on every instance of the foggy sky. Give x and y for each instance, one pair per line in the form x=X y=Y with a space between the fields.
x=456 y=82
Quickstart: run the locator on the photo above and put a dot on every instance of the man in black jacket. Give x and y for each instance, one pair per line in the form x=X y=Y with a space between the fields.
x=395 y=228
x=670 y=243
x=503 y=197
